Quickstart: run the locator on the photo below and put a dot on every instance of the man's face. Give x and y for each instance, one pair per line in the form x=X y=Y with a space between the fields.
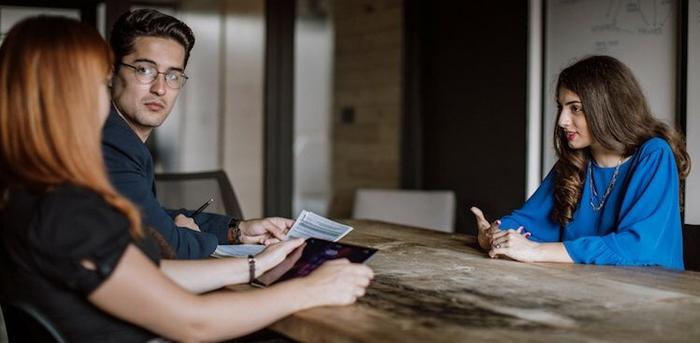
x=145 y=106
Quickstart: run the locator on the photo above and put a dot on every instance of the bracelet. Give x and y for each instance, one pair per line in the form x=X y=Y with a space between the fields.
x=251 y=268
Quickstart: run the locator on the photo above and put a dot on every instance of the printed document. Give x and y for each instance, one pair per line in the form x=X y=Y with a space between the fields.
x=307 y=225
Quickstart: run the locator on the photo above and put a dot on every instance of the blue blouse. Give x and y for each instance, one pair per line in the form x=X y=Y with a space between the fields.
x=639 y=224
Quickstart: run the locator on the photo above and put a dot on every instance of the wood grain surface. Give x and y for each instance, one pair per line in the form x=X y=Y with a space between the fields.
x=438 y=287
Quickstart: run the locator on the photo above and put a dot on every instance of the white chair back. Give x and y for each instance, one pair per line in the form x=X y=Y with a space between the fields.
x=433 y=210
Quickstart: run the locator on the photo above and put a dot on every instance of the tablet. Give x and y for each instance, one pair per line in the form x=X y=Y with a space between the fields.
x=309 y=256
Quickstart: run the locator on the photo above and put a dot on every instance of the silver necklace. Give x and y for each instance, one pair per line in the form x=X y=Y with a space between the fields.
x=611 y=184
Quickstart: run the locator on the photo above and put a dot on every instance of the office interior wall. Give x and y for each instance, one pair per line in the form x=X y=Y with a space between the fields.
x=242 y=126
x=200 y=104
x=367 y=97
x=534 y=97
x=692 y=196
x=313 y=77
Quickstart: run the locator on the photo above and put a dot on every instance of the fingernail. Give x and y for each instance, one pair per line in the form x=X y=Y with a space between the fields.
x=498 y=221
x=528 y=234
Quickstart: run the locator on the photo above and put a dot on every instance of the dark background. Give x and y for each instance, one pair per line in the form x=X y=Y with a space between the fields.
x=465 y=89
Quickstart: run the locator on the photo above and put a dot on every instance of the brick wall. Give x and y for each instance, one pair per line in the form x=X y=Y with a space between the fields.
x=367 y=98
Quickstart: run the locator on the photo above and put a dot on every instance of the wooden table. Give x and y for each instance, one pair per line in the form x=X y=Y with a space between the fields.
x=436 y=287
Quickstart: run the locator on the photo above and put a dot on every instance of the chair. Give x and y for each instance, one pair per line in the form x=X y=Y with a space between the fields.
x=191 y=190
x=24 y=323
x=691 y=246
x=433 y=210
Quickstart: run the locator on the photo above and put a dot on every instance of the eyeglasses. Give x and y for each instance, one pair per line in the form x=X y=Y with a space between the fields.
x=147 y=74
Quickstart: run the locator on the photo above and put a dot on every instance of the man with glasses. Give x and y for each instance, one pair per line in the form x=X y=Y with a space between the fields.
x=151 y=50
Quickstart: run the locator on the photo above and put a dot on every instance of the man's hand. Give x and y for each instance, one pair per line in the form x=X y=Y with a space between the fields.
x=183 y=221
x=264 y=231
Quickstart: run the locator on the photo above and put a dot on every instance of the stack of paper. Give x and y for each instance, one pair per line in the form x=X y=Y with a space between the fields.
x=307 y=225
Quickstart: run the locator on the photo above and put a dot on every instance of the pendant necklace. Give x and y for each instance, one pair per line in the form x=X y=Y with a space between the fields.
x=595 y=198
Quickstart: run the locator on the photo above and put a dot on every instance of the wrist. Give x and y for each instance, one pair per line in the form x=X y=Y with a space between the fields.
x=552 y=252
x=262 y=264
x=235 y=235
x=540 y=252
x=304 y=294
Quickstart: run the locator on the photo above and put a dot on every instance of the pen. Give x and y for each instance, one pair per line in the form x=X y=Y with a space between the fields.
x=201 y=208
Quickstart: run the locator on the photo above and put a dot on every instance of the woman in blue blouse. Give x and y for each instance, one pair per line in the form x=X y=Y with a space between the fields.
x=613 y=195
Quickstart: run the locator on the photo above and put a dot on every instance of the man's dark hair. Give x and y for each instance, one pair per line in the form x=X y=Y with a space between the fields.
x=147 y=23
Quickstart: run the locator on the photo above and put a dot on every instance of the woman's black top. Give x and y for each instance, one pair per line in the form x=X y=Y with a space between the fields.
x=43 y=239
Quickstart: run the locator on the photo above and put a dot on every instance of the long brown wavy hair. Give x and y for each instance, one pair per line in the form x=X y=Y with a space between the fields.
x=51 y=72
x=618 y=118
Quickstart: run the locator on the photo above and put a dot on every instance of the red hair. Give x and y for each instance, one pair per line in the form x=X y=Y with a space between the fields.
x=51 y=72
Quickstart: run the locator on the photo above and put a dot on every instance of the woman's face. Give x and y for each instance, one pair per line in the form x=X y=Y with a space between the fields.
x=572 y=120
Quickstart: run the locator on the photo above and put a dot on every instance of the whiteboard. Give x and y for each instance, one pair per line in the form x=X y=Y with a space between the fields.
x=640 y=33
x=692 y=187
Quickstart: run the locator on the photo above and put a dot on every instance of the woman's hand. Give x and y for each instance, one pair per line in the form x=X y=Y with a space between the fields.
x=275 y=253
x=514 y=244
x=486 y=229
x=338 y=282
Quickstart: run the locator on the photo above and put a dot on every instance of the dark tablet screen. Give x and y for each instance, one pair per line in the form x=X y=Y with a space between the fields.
x=311 y=255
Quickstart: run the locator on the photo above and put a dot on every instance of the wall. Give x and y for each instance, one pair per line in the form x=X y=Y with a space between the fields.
x=313 y=69
x=242 y=126
x=367 y=98
x=692 y=197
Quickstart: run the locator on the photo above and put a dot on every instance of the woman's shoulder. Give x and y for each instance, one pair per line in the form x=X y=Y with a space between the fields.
x=77 y=206
x=63 y=197
x=655 y=145
x=72 y=217
x=69 y=196
x=70 y=190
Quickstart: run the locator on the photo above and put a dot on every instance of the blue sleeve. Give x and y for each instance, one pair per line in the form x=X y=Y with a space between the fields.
x=534 y=216
x=216 y=224
x=648 y=232
x=130 y=179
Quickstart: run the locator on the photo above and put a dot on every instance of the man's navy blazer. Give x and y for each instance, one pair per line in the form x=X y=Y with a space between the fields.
x=130 y=168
